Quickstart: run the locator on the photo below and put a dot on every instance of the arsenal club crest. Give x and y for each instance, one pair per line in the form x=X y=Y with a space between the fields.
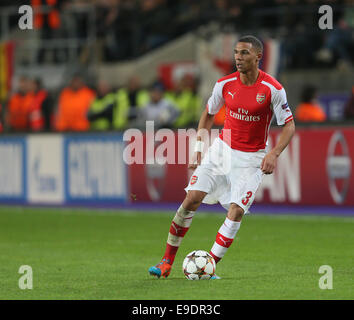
x=260 y=97
x=194 y=179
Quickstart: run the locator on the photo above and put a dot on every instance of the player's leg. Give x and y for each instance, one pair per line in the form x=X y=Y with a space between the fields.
x=245 y=182
x=181 y=222
x=201 y=183
x=227 y=232
x=179 y=227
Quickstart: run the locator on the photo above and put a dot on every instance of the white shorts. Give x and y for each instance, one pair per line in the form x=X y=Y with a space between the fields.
x=228 y=175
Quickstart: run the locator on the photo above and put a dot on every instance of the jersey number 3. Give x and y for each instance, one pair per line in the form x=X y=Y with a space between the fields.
x=247 y=198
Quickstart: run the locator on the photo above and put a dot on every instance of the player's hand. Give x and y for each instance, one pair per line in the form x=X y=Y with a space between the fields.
x=269 y=162
x=196 y=160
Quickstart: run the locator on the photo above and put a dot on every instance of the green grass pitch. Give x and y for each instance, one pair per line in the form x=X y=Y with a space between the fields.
x=105 y=254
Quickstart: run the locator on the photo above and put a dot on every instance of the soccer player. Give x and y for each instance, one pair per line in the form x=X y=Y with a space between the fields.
x=252 y=97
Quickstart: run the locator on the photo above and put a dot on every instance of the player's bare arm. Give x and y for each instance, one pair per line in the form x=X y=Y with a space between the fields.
x=269 y=161
x=206 y=122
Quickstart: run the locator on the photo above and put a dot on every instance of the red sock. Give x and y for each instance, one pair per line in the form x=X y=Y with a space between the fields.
x=217 y=259
x=224 y=239
x=170 y=253
x=179 y=226
x=175 y=236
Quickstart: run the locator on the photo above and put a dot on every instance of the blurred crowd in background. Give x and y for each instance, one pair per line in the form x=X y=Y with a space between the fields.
x=80 y=108
x=127 y=29
x=135 y=27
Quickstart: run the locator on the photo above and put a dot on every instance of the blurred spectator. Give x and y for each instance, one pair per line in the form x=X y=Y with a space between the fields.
x=227 y=12
x=159 y=109
x=349 y=107
x=22 y=114
x=116 y=24
x=188 y=15
x=219 y=118
x=309 y=109
x=157 y=24
x=16 y=113
x=74 y=102
x=48 y=21
x=41 y=108
x=187 y=101
x=129 y=100
x=101 y=109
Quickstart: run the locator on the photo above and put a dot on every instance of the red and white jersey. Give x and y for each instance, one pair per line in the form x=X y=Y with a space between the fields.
x=249 y=109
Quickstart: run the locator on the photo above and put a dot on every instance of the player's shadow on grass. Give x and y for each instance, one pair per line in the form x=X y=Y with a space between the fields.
x=184 y=279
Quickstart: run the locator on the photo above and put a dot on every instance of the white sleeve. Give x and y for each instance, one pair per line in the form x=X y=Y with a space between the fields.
x=216 y=100
x=281 y=108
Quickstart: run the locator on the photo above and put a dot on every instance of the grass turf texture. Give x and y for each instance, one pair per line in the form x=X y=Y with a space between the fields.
x=91 y=254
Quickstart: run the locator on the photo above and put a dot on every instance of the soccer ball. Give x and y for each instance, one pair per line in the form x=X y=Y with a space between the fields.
x=199 y=265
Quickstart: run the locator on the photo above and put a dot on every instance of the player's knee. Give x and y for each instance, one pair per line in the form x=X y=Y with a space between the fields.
x=235 y=212
x=193 y=200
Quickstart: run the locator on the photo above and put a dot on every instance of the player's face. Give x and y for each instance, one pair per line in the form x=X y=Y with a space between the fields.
x=246 y=57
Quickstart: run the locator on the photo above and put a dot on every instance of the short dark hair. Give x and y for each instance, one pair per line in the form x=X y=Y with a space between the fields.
x=256 y=43
x=157 y=85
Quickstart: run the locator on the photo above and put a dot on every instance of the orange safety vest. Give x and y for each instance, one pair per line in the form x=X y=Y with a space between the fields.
x=36 y=117
x=72 y=109
x=53 y=15
x=308 y=112
x=19 y=111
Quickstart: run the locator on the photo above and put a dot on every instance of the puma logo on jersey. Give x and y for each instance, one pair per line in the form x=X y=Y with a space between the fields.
x=231 y=94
